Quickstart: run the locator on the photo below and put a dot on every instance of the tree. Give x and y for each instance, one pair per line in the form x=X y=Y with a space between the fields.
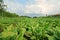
x=1 y=0
x=2 y=6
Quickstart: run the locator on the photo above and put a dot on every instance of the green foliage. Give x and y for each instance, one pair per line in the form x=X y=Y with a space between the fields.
x=2 y=5
x=8 y=14
x=1 y=0
x=26 y=28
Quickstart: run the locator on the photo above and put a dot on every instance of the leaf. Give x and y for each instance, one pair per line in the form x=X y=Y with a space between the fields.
x=6 y=34
x=20 y=36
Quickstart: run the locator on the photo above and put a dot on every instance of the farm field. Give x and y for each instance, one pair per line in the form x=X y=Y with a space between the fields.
x=29 y=20
x=25 y=28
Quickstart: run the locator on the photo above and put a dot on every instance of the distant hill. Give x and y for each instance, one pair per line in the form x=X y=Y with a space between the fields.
x=56 y=15
x=8 y=14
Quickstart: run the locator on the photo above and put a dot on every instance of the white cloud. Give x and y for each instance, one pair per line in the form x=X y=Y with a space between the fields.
x=40 y=6
x=13 y=6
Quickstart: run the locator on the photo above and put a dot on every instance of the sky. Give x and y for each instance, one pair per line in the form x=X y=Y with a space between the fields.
x=33 y=7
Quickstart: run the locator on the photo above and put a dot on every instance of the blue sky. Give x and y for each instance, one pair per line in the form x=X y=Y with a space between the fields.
x=33 y=7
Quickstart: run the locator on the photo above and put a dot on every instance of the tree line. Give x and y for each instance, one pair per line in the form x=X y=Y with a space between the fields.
x=3 y=11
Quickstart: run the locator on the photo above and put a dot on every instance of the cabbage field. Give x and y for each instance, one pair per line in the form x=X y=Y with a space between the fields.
x=26 y=28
